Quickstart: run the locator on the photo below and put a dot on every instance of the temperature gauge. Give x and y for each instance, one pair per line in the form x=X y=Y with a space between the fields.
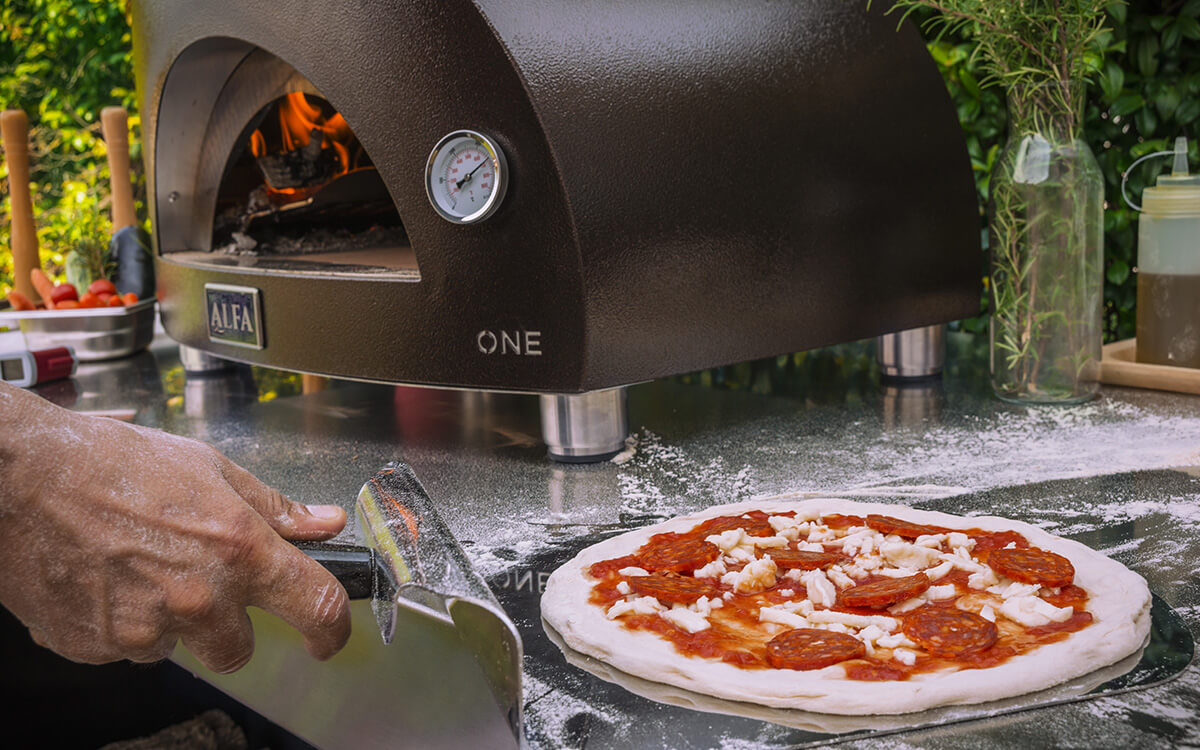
x=466 y=177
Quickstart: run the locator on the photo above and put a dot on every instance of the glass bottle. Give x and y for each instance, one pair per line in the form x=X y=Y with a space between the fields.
x=1046 y=237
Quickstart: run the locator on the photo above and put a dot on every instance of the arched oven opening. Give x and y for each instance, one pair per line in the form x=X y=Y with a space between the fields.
x=300 y=193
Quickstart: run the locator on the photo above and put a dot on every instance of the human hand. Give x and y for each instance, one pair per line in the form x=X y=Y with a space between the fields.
x=117 y=540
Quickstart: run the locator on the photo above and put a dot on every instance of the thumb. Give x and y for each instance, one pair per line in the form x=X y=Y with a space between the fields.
x=290 y=520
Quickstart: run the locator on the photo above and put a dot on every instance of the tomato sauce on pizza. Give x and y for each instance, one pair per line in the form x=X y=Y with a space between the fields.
x=884 y=597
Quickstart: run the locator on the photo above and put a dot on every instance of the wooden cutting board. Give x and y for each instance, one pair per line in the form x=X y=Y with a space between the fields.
x=1118 y=366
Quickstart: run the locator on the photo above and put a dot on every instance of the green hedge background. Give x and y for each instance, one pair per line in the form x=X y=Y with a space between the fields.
x=62 y=61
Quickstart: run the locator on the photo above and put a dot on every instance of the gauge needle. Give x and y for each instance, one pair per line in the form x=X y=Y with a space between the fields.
x=464 y=180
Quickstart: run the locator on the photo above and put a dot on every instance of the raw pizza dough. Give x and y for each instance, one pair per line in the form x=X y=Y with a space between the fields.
x=1119 y=602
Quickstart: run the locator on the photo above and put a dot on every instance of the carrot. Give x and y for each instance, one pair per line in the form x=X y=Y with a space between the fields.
x=43 y=285
x=20 y=301
x=67 y=304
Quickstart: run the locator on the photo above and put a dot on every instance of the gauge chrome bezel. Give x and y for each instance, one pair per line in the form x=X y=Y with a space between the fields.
x=499 y=167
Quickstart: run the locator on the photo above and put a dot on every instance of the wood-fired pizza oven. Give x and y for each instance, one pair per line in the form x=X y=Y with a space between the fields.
x=688 y=185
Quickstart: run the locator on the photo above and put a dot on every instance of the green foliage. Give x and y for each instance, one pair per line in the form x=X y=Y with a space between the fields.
x=1022 y=43
x=1146 y=92
x=62 y=61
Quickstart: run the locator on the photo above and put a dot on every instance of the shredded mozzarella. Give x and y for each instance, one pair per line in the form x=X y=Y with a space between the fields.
x=755 y=577
x=983 y=579
x=961 y=562
x=821 y=534
x=885 y=624
x=938 y=572
x=959 y=539
x=1034 y=611
x=820 y=591
x=685 y=619
x=904 y=555
x=936 y=593
x=769 y=541
x=643 y=605
x=782 y=616
x=714 y=569
x=930 y=540
x=839 y=577
x=895 y=640
x=896 y=572
x=906 y=605
x=727 y=540
x=1007 y=589
x=631 y=572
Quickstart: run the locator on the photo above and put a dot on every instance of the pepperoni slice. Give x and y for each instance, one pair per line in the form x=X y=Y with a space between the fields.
x=949 y=632
x=672 y=588
x=881 y=594
x=988 y=541
x=755 y=525
x=899 y=527
x=679 y=555
x=809 y=648
x=1032 y=565
x=789 y=558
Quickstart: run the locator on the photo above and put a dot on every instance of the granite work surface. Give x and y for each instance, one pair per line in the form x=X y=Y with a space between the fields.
x=1118 y=473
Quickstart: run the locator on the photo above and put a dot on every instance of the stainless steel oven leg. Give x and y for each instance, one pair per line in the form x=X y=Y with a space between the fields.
x=585 y=427
x=199 y=362
x=913 y=354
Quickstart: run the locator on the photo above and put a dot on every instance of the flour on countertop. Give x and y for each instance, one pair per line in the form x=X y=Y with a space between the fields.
x=554 y=712
x=932 y=464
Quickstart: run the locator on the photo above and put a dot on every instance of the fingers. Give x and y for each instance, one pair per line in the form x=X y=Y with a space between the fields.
x=308 y=598
x=223 y=642
x=290 y=520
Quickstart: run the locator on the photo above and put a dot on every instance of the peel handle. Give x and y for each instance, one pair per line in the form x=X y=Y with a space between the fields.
x=115 y=122
x=356 y=568
x=15 y=126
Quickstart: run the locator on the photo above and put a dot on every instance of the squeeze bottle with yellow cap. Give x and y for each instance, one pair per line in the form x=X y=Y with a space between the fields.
x=1168 y=285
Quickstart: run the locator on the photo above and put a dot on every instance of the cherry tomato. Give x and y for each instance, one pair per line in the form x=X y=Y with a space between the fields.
x=116 y=301
x=89 y=300
x=63 y=293
x=129 y=298
x=67 y=304
x=104 y=298
x=102 y=286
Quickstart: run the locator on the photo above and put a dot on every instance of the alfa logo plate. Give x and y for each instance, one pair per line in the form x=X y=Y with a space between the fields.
x=234 y=315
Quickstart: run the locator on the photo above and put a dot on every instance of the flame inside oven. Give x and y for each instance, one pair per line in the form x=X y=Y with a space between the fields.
x=300 y=184
x=312 y=148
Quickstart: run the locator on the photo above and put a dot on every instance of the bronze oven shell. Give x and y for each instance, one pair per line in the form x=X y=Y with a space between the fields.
x=693 y=183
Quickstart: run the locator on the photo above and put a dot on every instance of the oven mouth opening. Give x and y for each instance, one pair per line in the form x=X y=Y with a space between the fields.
x=301 y=195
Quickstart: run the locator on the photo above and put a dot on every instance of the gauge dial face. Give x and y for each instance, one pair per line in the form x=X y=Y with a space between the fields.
x=466 y=177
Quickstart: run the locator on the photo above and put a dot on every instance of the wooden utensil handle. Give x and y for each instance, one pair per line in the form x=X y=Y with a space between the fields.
x=115 y=123
x=15 y=127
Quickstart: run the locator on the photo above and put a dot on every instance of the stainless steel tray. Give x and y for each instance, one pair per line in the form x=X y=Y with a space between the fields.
x=95 y=333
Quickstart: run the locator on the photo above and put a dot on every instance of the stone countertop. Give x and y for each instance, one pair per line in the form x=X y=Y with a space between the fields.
x=819 y=423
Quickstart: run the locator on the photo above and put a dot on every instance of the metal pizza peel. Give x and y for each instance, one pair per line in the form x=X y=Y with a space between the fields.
x=410 y=560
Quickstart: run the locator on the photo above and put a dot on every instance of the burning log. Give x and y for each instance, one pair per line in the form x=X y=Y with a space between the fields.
x=310 y=165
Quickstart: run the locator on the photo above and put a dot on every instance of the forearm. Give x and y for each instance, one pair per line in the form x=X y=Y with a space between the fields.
x=30 y=428
x=116 y=540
